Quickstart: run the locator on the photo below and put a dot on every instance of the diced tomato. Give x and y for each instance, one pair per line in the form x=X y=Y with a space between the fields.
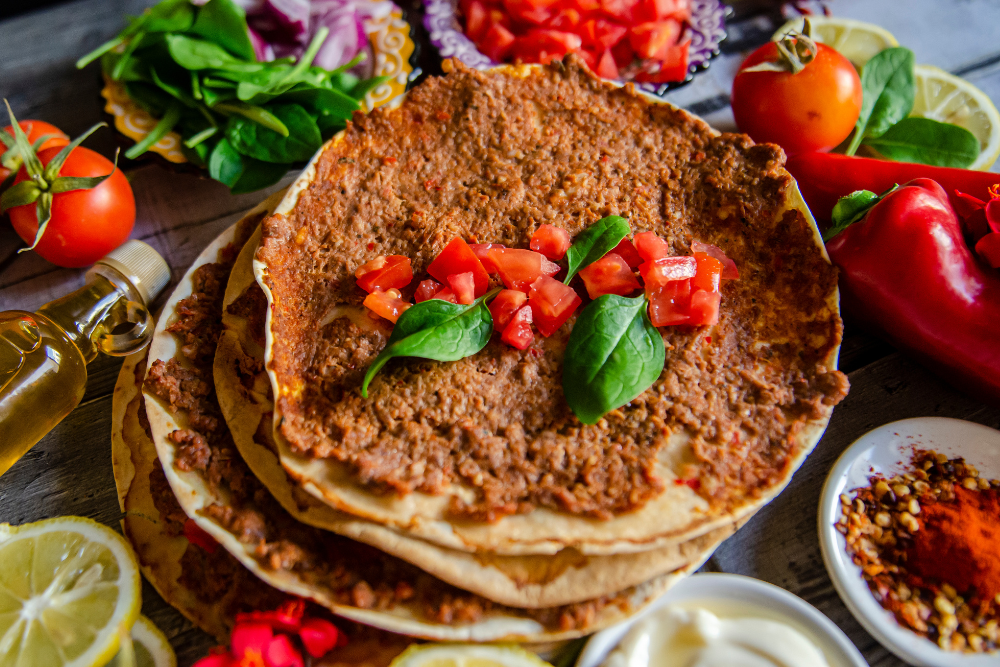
x=709 y=275
x=602 y=33
x=620 y=9
x=499 y=17
x=606 y=68
x=988 y=247
x=584 y=6
x=504 y=305
x=464 y=287
x=389 y=304
x=197 y=536
x=497 y=42
x=457 y=257
x=704 y=308
x=552 y=304
x=518 y=332
x=426 y=289
x=551 y=241
x=658 y=10
x=627 y=251
x=653 y=38
x=609 y=275
x=588 y=56
x=524 y=11
x=729 y=270
x=446 y=294
x=476 y=19
x=670 y=303
x=482 y=251
x=650 y=246
x=540 y=4
x=666 y=269
x=623 y=53
x=384 y=273
x=566 y=19
x=673 y=65
x=553 y=41
x=520 y=268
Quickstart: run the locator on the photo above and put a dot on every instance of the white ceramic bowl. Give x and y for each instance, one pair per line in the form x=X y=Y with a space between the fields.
x=734 y=588
x=888 y=450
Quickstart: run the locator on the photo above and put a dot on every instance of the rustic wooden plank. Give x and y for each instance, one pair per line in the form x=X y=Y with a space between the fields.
x=781 y=543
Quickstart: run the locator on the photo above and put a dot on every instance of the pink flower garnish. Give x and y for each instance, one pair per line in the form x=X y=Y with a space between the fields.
x=981 y=223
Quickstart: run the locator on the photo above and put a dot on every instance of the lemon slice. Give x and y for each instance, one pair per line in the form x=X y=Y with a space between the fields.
x=150 y=648
x=467 y=655
x=951 y=99
x=66 y=587
x=855 y=40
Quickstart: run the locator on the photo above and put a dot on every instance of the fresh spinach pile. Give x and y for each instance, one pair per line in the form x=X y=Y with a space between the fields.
x=614 y=352
x=246 y=121
x=889 y=89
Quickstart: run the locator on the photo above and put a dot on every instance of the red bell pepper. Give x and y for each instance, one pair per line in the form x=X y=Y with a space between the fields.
x=908 y=275
x=824 y=178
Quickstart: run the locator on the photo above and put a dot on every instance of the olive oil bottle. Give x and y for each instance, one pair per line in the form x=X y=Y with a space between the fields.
x=44 y=355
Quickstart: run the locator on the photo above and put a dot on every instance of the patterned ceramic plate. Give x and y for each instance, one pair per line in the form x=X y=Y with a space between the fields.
x=392 y=46
x=706 y=28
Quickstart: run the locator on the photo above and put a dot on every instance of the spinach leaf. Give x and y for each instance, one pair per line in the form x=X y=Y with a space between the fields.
x=149 y=97
x=928 y=142
x=225 y=23
x=262 y=143
x=198 y=54
x=239 y=172
x=614 y=354
x=595 y=242
x=888 y=87
x=438 y=330
x=259 y=115
x=165 y=16
x=166 y=123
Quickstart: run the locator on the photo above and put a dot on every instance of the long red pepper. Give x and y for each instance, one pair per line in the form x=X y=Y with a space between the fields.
x=908 y=275
x=824 y=178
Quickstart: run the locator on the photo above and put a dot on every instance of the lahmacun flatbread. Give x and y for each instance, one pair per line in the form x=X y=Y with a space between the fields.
x=484 y=454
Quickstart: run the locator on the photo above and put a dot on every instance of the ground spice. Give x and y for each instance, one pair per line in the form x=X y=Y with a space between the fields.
x=957 y=543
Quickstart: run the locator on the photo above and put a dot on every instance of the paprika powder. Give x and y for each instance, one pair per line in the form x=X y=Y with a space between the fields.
x=957 y=543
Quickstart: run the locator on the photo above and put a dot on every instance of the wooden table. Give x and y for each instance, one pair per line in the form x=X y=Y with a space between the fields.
x=69 y=472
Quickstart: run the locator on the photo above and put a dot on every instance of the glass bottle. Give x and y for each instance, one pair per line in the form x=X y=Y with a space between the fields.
x=44 y=355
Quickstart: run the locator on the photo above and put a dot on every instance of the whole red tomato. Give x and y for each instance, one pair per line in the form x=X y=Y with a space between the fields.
x=85 y=224
x=35 y=129
x=813 y=110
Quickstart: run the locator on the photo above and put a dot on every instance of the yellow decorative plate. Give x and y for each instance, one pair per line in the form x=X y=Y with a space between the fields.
x=392 y=46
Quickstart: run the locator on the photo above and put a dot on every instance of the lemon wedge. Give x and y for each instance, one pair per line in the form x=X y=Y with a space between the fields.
x=66 y=587
x=149 y=648
x=855 y=40
x=467 y=655
x=950 y=99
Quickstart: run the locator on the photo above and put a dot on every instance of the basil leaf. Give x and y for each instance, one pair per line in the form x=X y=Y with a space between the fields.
x=851 y=208
x=928 y=142
x=888 y=87
x=437 y=330
x=224 y=23
x=595 y=242
x=614 y=354
x=265 y=144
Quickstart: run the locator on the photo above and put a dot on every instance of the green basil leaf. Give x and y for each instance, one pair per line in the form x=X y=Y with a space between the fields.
x=614 y=354
x=262 y=143
x=928 y=142
x=437 y=330
x=851 y=208
x=225 y=23
x=198 y=54
x=595 y=242
x=888 y=87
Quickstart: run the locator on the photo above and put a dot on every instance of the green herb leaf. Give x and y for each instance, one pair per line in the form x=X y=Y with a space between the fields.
x=928 y=142
x=164 y=16
x=595 y=242
x=225 y=23
x=614 y=354
x=170 y=118
x=262 y=143
x=239 y=172
x=198 y=54
x=888 y=87
x=258 y=115
x=21 y=194
x=852 y=208
x=438 y=330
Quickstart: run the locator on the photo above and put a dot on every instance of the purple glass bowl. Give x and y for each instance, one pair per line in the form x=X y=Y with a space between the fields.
x=706 y=28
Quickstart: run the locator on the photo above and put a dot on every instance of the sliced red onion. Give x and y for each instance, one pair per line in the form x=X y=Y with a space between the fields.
x=284 y=20
x=729 y=270
x=261 y=48
x=347 y=36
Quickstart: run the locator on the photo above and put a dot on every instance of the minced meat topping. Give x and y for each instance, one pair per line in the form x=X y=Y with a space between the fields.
x=356 y=574
x=489 y=157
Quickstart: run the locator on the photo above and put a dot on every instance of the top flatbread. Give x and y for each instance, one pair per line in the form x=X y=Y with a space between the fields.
x=439 y=447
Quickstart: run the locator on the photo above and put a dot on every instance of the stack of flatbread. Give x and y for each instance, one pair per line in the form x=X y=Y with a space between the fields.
x=462 y=500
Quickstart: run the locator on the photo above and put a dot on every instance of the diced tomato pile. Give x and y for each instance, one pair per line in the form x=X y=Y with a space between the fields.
x=640 y=40
x=682 y=290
